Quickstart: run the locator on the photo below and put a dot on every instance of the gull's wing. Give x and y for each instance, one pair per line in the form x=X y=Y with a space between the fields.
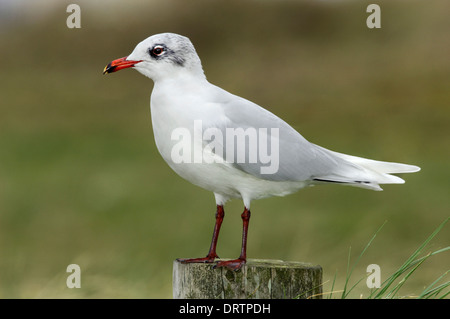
x=298 y=159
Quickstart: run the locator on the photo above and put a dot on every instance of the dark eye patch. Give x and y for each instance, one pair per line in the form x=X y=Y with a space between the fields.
x=157 y=50
x=161 y=51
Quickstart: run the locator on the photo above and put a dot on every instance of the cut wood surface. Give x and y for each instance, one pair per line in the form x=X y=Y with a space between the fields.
x=258 y=278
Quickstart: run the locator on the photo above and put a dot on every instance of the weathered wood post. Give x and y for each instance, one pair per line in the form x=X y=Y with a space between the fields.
x=258 y=278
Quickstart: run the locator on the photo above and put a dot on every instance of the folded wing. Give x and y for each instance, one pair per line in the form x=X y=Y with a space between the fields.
x=298 y=159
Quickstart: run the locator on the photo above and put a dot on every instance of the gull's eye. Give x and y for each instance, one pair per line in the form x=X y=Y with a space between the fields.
x=157 y=50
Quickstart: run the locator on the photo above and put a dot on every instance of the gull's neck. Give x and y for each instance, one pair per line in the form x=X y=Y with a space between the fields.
x=182 y=79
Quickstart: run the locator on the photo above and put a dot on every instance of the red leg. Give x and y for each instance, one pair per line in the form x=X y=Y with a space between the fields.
x=220 y=213
x=236 y=264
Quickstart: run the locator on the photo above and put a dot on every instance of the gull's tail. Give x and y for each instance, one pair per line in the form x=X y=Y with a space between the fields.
x=367 y=173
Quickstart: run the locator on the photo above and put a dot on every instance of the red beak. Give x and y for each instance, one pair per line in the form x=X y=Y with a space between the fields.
x=119 y=64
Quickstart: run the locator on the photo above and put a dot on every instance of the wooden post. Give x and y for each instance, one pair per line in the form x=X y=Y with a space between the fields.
x=258 y=278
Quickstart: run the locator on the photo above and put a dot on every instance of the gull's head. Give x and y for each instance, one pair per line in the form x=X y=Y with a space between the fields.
x=161 y=56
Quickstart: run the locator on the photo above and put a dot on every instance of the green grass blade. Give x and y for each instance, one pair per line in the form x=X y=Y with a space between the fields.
x=332 y=285
x=410 y=262
x=446 y=294
x=430 y=290
x=394 y=291
x=437 y=290
x=345 y=293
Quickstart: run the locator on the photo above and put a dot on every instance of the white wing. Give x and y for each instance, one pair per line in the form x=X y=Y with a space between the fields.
x=300 y=160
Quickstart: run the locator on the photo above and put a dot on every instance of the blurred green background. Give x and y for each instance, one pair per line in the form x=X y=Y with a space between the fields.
x=81 y=180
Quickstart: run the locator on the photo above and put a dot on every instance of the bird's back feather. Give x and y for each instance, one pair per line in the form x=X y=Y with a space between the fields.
x=300 y=160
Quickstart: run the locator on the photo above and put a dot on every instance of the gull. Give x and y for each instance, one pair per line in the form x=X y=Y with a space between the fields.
x=263 y=156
